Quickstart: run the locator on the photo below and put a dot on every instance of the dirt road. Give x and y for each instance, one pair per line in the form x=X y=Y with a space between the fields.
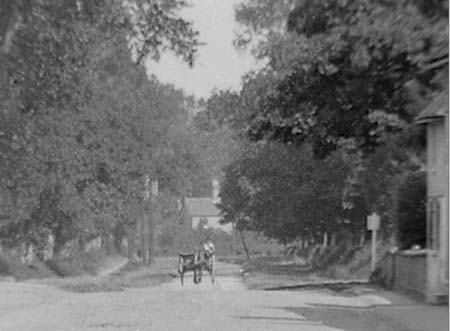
x=226 y=305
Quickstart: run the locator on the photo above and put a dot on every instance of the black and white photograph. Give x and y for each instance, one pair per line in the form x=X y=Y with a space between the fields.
x=224 y=165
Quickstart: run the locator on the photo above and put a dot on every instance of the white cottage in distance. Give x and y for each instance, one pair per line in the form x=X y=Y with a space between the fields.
x=204 y=209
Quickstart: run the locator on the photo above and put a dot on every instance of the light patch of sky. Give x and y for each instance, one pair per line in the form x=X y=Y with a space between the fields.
x=218 y=65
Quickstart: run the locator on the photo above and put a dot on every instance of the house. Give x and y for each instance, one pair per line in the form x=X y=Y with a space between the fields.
x=423 y=273
x=435 y=117
x=204 y=210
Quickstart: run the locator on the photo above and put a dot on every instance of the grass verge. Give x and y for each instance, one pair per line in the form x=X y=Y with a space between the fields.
x=338 y=263
x=11 y=267
x=77 y=264
x=130 y=276
x=274 y=271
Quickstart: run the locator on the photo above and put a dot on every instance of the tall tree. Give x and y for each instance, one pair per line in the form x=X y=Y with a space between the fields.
x=282 y=192
x=349 y=76
x=79 y=120
x=343 y=69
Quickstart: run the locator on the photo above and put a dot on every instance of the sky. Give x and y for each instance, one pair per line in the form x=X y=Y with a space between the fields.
x=219 y=65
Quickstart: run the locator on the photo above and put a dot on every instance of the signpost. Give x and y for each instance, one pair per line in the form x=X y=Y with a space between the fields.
x=373 y=224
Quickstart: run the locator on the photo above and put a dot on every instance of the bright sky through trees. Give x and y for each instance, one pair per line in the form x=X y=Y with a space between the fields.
x=218 y=65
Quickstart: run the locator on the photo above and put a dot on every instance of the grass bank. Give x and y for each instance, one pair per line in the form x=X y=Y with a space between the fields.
x=12 y=268
x=130 y=276
x=316 y=265
x=77 y=264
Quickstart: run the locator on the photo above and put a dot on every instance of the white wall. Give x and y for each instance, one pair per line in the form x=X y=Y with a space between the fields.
x=213 y=222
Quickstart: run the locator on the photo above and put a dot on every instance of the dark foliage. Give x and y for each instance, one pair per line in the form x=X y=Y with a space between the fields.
x=412 y=211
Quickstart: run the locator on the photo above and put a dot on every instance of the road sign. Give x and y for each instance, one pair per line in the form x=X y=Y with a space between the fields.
x=373 y=222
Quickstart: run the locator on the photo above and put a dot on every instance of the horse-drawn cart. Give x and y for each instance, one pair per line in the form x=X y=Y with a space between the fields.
x=197 y=261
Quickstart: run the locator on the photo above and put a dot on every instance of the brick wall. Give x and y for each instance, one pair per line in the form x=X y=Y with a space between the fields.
x=411 y=273
x=404 y=272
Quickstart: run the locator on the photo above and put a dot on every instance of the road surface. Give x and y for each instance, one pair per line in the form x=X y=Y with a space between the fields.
x=226 y=305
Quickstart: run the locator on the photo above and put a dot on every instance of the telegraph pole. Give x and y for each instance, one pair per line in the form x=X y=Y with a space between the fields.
x=149 y=219
x=232 y=239
x=152 y=217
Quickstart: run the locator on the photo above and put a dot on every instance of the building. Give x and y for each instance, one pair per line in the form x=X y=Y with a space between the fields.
x=435 y=117
x=204 y=210
x=423 y=273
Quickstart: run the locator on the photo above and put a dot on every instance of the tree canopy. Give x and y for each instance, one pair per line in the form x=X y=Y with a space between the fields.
x=343 y=69
x=344 y=81
x=80 y=121
x=284 y=193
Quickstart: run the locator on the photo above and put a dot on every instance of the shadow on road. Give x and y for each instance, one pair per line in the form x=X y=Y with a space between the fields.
x=391 y=318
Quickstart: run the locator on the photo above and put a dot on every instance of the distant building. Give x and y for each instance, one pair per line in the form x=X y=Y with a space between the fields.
x=435 y=117
x=204 y=210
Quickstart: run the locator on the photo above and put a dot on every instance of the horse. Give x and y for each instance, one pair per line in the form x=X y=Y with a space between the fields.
x=207 y=259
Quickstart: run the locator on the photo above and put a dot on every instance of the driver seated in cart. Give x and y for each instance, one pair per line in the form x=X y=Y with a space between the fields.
x=209 y=248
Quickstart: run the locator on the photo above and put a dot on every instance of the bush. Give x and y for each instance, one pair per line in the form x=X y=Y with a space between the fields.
x=411 y=222
x=348 y=263
x=77 y=264
x=10 y=265
x=323 y=258
x=131 y=275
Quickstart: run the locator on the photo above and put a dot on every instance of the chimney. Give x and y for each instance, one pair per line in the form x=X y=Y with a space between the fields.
x=215 y=191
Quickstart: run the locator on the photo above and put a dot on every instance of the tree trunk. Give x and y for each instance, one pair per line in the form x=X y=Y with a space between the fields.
x=333 y=239
x=152 y=220
x=145 y=236
x=151 y=238
x=138 y=242
x=244 y=244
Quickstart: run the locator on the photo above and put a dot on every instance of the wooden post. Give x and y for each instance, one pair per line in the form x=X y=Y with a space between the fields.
x=374 y=250
x=233 y=228
x=325 y=239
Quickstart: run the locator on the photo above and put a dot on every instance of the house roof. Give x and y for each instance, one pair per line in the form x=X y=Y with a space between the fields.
x=438 y=108
x=201 y=207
